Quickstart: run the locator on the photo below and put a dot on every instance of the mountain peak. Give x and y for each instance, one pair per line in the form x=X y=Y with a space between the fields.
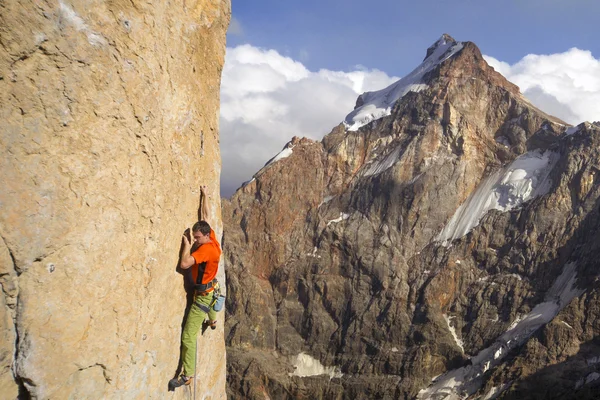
x=375 y=105
x=444 y=40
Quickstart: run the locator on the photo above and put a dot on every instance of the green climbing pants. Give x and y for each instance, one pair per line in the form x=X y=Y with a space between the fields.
x=190 y=332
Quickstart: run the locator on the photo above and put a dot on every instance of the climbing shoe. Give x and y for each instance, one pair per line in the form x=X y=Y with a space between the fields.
x=180 y=381
x=208 y=323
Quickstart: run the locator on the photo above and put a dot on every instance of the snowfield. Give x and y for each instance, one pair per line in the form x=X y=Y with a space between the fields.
x=463 y=382
x=524 y=179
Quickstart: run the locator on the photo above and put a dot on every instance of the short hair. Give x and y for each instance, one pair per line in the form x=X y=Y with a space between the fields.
x=201 y=226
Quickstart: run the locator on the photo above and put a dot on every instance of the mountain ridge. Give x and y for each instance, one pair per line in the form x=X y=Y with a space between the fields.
x=332 y=250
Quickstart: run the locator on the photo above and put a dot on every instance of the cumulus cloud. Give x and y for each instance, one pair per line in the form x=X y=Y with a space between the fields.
x=566 y=85
x=267 y=98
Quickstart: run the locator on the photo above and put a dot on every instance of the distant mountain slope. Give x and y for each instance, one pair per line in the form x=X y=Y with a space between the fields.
x=442 y=235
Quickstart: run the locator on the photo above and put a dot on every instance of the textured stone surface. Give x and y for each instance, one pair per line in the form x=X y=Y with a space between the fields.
x=331 y=256
x=109 y=115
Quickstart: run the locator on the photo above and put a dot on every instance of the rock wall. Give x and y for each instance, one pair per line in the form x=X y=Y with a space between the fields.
x=109 y=114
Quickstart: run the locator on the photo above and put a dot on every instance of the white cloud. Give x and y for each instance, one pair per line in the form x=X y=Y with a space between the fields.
x=566 y=85
x=246 y=55
x=267 y=98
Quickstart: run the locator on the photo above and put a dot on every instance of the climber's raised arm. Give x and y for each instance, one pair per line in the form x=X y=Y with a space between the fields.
x=204 y=210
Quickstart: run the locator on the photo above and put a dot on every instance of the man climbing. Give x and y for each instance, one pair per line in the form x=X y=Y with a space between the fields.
x=201 y=252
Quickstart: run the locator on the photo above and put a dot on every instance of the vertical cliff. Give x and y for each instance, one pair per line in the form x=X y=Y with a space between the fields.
x=109 y=113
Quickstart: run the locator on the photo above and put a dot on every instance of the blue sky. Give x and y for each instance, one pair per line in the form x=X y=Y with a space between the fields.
x=295 y=68
x=392 y=35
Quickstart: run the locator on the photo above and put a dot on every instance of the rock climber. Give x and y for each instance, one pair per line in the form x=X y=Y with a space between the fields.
x=201 y=253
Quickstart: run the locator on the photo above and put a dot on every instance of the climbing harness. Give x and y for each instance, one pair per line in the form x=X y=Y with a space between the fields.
x=202 y=289
x=217 y=301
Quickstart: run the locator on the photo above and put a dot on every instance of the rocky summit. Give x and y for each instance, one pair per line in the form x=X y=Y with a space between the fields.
x=442 y=242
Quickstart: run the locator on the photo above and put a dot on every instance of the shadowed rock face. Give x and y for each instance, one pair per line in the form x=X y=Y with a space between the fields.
x=339 y=251
x=109 y=115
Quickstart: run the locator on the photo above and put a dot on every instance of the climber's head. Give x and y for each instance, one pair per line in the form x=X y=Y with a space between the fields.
x=201 y=232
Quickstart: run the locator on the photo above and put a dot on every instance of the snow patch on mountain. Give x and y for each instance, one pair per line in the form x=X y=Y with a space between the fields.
x=495 y=392
x=465 y=381
x=508 y=188
x=457 y=340
x=286 y=152
x=570 y=131
x=575 y=129
x=376 y=105
x=305 y=365
x=342 y=217
x=384 y=164
x=588 y=379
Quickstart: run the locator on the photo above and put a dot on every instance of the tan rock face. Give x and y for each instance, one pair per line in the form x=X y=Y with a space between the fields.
x=109 y=115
